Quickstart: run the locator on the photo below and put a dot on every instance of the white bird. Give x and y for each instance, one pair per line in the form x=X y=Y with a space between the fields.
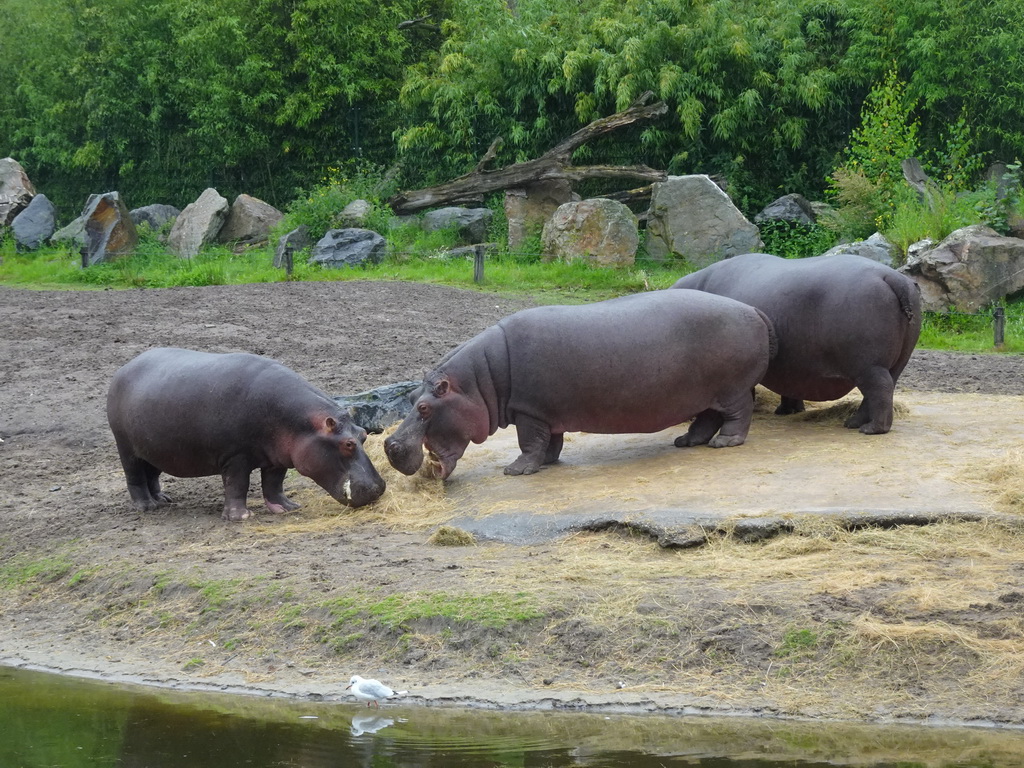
x=371 y=691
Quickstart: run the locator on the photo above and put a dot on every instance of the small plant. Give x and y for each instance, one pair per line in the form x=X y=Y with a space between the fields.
x=194 y=663
x=792 y=240
x=797 y=641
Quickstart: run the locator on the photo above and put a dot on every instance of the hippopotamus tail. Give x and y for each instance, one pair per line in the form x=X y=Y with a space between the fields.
x=773 y=340
x=908 y=293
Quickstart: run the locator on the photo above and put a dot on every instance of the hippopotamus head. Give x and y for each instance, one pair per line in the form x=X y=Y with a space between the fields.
x=445 y=418
x=332 y=456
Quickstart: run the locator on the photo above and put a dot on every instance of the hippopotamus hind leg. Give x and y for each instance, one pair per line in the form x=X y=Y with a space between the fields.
x=790 y=405
x=702 y=429
x=535 y=442
x=272 y=481
x=236 y=489
x=143 y=482
x=874 y=416
x=554 y=449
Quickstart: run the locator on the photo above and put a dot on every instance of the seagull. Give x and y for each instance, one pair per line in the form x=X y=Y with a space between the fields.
x=371 y=691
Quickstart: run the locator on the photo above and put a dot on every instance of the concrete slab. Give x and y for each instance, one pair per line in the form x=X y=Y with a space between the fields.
x=790 y=466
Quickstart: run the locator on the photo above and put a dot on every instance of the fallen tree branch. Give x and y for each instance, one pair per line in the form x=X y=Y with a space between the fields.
x=553 y=164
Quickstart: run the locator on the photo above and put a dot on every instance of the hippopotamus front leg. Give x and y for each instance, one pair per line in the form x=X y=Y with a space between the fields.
x=272 y=481
x=874 y=416
x=537 y=444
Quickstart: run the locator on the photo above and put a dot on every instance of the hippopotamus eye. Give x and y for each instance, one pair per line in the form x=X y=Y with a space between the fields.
x=424 y=410
x=347 y=448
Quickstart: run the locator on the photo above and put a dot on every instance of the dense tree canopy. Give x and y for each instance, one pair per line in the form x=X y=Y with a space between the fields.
x=161 y=98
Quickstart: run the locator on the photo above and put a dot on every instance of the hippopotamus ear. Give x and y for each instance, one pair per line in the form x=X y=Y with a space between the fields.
x=328 y=425
x=441 y=387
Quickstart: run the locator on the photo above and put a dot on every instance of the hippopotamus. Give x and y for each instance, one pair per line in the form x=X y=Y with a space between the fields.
x=842 y=321
x=638 y=363
x=192 y=414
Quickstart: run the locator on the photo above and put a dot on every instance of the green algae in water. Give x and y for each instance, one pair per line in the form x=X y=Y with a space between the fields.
x=50 y=720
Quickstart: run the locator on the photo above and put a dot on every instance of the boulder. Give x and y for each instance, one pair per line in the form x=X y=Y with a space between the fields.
x=876 y=248
x=349 y=248
x=16 y=191
x=599 y=230
x=249 y=221
x=970 y=269
x=528 y=209
x=471 y=223
x=156 y=216
x=692 y=218
x=356 y=214
x=36 y=223
x=297 y=239
x=109 y=230
x=793 y=208
x=379 y=408
x=73 y=234
x=198 y=224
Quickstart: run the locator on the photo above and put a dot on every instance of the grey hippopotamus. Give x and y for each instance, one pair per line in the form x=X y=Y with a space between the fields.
x=842 y=322
x=192 y=414
x=639 y=363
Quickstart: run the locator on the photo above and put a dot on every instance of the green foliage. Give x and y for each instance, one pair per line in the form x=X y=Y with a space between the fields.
x=934 y=218
x=342 y=184
x=871 y=174
x=792 y=240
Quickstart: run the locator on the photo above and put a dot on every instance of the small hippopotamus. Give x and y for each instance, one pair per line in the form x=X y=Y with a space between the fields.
x=639 y=363
x=842 y=321
x=192 y=414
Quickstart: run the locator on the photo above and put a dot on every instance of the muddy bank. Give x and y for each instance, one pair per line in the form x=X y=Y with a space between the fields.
x=910 y=622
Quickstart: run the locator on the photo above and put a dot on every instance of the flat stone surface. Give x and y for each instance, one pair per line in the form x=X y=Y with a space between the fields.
x=925 y=469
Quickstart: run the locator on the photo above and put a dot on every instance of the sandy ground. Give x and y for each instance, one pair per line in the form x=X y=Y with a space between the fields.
x=920 y=623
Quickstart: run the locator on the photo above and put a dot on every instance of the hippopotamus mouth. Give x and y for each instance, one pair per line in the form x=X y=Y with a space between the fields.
x=439 y=465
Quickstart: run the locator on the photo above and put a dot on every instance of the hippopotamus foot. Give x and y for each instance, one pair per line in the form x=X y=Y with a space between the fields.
x=273 y=491
x=235 y=514
x=790 y=405
x=874 y=416
x=537 y=444
x=702 y=429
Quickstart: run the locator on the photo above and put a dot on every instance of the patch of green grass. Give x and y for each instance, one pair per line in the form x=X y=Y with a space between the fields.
x=22 y=570
x=218 y=592
x=797 y=641
x=962 y=332
x=193 y=663
x=494 y=610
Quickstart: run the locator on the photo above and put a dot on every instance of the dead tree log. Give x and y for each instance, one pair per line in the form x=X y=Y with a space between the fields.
x=553 y=164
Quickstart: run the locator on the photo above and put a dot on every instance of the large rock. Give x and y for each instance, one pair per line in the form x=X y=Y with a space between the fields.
x=297 y=239
x=16 y=191
x=249 y=221
x=971 y=268
x=692 y=218
x=471 y=223
x=198 y=224
x=355 y=215
x=156 y=216
x=379 y=408
x=528 y=209
x=349 y=248
x=109 y=230
x=876 y=248
x=73 y=234
x=793 y=208
x=598 y=230
x=34 y=226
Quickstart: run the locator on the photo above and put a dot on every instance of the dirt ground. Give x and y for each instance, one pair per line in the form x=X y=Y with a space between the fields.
x=920 y=623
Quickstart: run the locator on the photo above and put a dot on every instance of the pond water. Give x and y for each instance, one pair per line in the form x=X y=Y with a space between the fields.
x=57 y=721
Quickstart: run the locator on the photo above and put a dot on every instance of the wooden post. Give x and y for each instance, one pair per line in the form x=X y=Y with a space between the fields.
x=84 y=253
x=289 y=262
x=478 y=264
x=998 y=326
